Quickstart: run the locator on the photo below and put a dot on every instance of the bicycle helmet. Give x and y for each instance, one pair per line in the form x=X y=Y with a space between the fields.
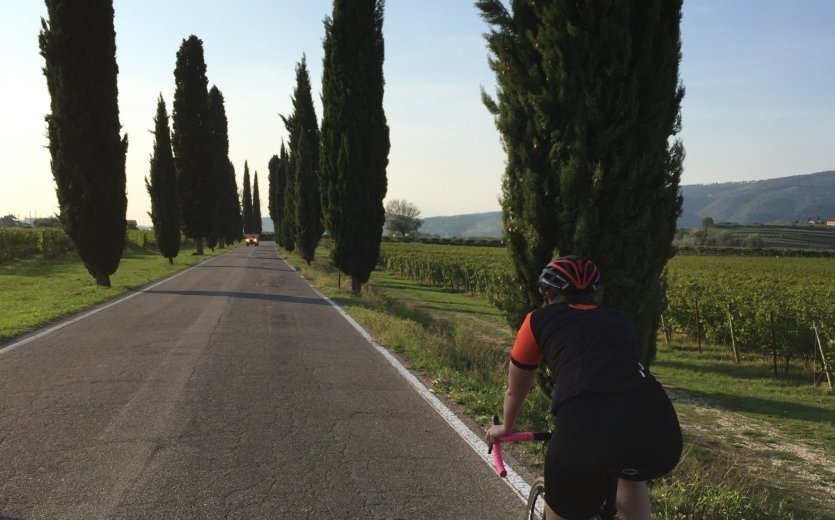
x=570 y=273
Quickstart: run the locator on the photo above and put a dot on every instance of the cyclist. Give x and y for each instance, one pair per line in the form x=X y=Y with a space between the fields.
x=611 y=413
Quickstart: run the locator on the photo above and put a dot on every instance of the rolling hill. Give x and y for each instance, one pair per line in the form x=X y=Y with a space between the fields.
x=773 y=201
x=482 y=225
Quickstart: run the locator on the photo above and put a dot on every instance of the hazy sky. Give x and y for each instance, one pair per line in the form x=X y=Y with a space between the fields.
x=759 y=75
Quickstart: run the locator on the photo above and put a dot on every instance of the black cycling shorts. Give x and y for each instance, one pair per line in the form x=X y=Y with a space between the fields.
x=635 y=433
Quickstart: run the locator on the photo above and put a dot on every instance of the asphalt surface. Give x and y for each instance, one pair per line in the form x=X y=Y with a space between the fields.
x=230 y=391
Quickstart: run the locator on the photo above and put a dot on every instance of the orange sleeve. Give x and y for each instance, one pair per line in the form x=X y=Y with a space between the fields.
x=526 y=353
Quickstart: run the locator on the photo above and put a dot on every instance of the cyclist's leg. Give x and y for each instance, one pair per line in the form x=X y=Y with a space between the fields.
x=650 y=439
x=633 y=500
x=551 y=515
x=576 y=479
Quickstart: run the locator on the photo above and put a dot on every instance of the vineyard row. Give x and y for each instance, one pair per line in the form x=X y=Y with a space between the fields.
x=760 y=304
x=18 y=243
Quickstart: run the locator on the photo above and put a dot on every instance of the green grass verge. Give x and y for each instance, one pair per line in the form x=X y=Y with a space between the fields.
x=789 y=403
x=459 y=344
x=37 y=291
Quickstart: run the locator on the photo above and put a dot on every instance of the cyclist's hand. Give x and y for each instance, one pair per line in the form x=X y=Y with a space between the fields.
x=496 y=432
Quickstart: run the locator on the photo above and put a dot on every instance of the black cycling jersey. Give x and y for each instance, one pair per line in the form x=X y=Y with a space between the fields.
x=590 y=349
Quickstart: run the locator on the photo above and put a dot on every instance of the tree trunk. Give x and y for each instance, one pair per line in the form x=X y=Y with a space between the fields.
x=667 y=333
x=356 y=286
x=199 y=242
x=103 y=280
x=171 y=260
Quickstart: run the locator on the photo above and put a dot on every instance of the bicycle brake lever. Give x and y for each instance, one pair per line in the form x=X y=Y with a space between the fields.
x=490 y=446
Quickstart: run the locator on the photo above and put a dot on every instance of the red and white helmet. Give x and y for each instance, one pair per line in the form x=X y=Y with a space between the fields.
x=570 y=273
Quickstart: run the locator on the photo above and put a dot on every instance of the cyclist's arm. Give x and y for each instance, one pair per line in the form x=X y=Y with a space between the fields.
x=519 y=383
x=525 y=358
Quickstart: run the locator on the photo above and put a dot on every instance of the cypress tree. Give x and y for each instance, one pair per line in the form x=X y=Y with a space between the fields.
x=271 y=180
x=219 y=145
x=162 y=188
x=286 y=194
x=355 y=136
x=88 y=155
x=192 y=153
x=304 y=158
x=589 y=108
x=256 y=206
x=235 y=225
x=246 y=205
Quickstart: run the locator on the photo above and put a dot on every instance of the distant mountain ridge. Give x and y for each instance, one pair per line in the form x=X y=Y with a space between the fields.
x=772 y=201
x=483 y=225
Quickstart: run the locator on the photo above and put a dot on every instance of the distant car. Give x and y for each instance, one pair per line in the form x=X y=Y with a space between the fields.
x=251 y=240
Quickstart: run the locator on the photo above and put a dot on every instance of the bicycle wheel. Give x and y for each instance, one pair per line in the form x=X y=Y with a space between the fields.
x=536 y=501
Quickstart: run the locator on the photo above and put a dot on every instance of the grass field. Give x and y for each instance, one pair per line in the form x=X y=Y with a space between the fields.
x=37 y=291
x=790 y=402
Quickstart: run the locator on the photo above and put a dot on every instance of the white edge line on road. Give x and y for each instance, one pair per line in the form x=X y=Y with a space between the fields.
x=128 y=296
x=513 y=479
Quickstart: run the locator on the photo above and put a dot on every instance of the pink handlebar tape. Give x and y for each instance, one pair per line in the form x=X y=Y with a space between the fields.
x=498 y=461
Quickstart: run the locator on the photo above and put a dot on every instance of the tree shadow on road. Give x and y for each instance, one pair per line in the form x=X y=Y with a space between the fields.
x=286 y=298
x=205 y=266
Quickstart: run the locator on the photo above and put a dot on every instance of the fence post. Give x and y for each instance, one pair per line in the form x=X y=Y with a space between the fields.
x=698 y=327
x=666 y=332
x=773 y=342
x=824 y=362
x=733 y=338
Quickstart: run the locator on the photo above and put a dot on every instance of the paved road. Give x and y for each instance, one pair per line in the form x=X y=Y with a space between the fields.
x=229 y=391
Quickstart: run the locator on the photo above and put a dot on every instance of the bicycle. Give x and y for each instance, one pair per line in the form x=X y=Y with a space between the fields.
x=535 y=508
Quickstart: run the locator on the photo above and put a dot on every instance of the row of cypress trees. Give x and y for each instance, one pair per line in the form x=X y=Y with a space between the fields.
x=206 y=185
x=251 y=203
x=334 y=178
x=191 y=182
x=195 y=189
x=217 y=187
x=304 y=226
x=587 y=105
x=283 y=192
